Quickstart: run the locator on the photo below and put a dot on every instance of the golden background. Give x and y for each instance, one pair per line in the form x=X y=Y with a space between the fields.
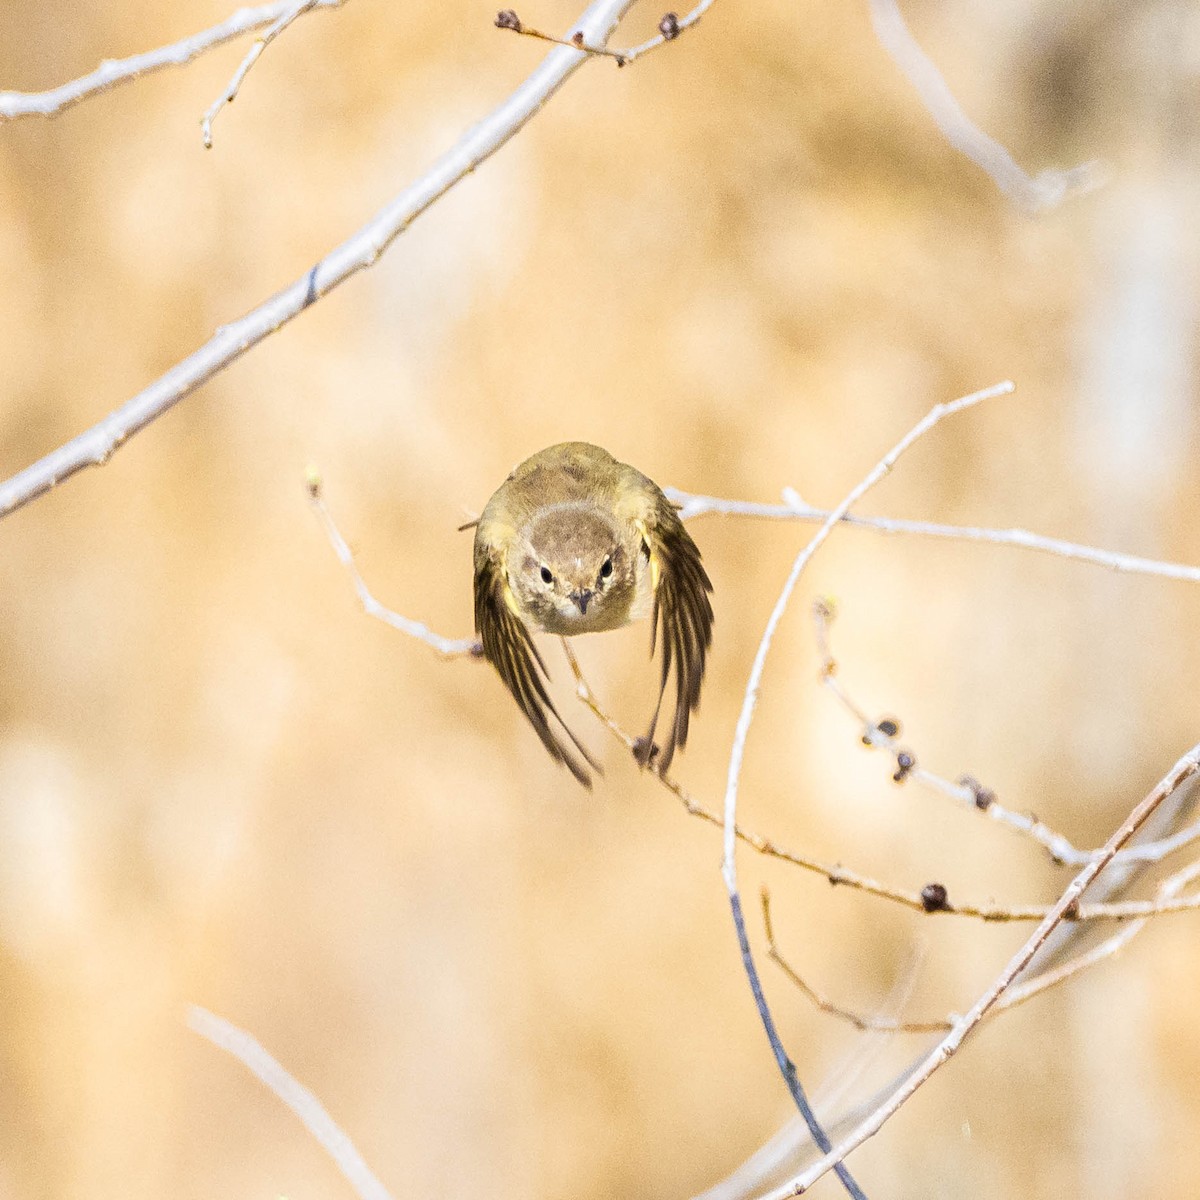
x=749 y=261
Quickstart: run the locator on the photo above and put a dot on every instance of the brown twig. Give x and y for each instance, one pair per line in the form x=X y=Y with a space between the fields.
x=882 y=734
x=669 y=28
x=1017 y=994
x=1181 y=771
x=929 y=900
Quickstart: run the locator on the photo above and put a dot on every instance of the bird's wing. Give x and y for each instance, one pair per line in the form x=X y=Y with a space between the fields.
x=508 y=646
x=682 y=618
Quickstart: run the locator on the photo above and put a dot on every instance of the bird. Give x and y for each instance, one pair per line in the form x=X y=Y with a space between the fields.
x=575 y=542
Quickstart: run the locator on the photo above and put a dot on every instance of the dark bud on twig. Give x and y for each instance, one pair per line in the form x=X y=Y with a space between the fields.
x=477 y=650
x=934 y=898
x=644 y=751
x=905 y=762
x=312 y=482
x=984 y=797
x=889 y=727
x=669 y=27
x=577 y=37
x=507 y=19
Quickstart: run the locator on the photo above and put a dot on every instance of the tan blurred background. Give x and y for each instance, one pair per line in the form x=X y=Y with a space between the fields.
x=748 y=262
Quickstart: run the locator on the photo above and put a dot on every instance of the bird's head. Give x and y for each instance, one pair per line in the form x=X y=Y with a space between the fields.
x=576 y=569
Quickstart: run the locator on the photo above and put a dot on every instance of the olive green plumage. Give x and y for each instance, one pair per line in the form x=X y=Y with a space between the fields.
x=576 y=542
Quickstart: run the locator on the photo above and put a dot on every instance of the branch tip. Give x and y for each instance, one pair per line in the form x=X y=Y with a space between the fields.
x=905 y=763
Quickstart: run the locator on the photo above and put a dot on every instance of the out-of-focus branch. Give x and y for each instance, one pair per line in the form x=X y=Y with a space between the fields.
x=795 y=509
x=1033 y=194
x=1184 y=769
x=114 y=71
x=228 y=1037
x=361 y=250
x=883 y=734
x=297 y=9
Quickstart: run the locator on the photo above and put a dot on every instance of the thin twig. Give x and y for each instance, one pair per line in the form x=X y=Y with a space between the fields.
x=112 y=72
x=1033 y=194
x=360 y=251
x=449 y=647
x=795 y=509
x=729 y=857
x=229 y=95
x=863 y=1022
x=1017 y=994
x=228 y=1037
x=1184 y=769
x=930 y=900
x=750 y=699
x=834 y=873
x=883 y=735
x=669 y=28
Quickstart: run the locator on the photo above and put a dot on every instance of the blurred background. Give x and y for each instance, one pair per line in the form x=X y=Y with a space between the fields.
x=748 y=262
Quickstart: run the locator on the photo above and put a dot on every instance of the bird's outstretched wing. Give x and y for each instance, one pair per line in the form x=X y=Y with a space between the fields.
x=509 y=647
x=682 y=620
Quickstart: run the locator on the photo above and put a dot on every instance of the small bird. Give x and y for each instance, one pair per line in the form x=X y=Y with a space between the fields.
x=572 y=542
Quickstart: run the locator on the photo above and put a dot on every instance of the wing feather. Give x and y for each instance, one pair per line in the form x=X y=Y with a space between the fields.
x=509 y=647
x=681 y=622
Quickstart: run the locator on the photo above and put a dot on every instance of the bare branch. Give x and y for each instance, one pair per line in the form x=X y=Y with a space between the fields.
x=229 y=95
x=883 y=735
x=1033 y=194
x=882 y=468
x=834 y=873
x=112 y=72
x=1184 y=769
x=669 y=28
x=1017 y=994
x=361 y=250
x=228 y=1037
x=794 y=509
x=449 y=647
x=729 y=856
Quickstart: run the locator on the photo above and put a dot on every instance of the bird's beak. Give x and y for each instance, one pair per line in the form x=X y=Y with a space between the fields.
x=581 y=598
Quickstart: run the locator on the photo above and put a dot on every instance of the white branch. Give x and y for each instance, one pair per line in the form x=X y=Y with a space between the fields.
x=295 y=1095
x=750 y=699
x=229 y=95
x=450 y=647
x=114 y=71
x=794 y=509
x=361 y=250
x=1032 y=193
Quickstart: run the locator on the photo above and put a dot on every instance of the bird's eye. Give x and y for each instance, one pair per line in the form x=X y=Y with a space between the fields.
x=606 y=568
x=546 y=576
